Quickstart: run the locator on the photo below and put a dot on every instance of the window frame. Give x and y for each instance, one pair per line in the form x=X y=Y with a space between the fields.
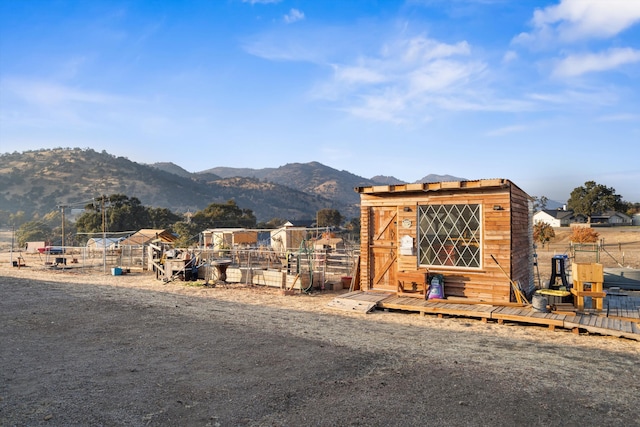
x=470 y=232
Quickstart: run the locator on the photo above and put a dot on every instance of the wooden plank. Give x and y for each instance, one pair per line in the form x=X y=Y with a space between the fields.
x=352 y=294
x=593 y=323
x=572 y=321
x=625 y=326
x=352 y=305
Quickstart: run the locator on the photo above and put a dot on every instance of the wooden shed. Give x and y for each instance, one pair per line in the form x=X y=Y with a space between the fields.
x=147 y=235
x=226 y=238
x=412 y=232
x=288 y=237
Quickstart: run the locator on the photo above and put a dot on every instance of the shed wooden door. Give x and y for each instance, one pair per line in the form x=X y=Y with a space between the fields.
x=382 y=248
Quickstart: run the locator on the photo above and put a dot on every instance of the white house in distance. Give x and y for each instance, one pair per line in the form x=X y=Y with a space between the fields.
x=554 y=217
x=611 y=218
x=564 y=218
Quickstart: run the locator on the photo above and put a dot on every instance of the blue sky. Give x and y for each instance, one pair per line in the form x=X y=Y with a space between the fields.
x=544 y=93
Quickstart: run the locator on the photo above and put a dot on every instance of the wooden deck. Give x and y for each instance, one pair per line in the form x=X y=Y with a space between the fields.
x=620 y=317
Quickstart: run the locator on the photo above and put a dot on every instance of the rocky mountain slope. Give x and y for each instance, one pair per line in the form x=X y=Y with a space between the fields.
x=41 y=180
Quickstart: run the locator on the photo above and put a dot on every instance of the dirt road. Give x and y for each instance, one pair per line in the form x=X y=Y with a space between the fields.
x=129 y=350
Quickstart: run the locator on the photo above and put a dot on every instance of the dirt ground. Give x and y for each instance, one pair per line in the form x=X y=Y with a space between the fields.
x=81 y=349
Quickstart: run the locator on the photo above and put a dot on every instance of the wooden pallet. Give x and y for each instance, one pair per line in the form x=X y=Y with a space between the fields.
x=597 y=323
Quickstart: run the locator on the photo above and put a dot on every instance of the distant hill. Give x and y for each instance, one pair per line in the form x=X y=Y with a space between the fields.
x=386 y=180
x=316 y=178
x=552 y=204
x=174 y=169
x=41 y=180
x=312 y=178
x=439 y=178
x=391 y=180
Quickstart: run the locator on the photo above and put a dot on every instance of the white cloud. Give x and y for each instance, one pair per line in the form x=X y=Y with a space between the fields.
x=261 y=1
x=403 y=80
x=358 y=74
x=294 y=15
x=588 y=98
x=575 y=65
x=509 y=56
x=624 y=117
x=49 y=94
x=508 y=130
x=573 y=20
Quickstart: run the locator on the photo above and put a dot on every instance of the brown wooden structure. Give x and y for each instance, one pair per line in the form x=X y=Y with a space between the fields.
x=411 y=232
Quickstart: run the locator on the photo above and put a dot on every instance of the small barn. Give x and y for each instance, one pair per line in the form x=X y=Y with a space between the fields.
x=289 y=236
x=226 y=238
x=328 y=242
x=148 y=235
x=411 y=232
x=99 y=244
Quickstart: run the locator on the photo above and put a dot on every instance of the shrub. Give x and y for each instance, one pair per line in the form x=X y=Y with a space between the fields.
x=584 y=235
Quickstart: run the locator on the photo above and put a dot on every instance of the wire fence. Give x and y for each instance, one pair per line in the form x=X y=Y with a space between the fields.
x=82 y=259
x=314 y=267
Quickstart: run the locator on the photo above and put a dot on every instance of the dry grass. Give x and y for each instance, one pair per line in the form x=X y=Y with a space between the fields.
x=620 y=248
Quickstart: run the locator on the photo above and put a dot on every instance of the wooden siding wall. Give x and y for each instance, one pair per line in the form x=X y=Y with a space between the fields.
x=365 y=232
x=505 y=236
x=521 y=238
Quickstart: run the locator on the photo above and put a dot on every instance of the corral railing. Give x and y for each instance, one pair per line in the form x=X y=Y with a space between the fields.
x=84 y=258
x=313 y=267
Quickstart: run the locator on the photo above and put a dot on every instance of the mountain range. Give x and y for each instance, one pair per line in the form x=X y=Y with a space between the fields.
x=39 y=181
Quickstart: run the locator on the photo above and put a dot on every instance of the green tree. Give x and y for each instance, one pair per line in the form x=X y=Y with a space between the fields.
x=543 y=232
x=162 y=218
x=353 y=229
x=33 y=231
x=594 y=198
x=631 y=208
x=188 y=233
x=329 y=218
x=218 y=215
x=126 y=214
x=540 y=203
x=18 y=218
x=91 y=219
x=272 y=223
x=121 y=213
x=54 y=220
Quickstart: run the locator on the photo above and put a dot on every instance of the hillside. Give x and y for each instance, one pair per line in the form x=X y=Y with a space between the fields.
x=39 y=181
x=312 y=178
x=316 y=178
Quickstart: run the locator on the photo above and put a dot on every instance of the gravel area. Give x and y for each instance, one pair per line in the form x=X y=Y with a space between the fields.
x=80 y=349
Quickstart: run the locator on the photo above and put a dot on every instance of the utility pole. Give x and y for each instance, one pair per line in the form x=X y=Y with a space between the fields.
x=62 y=210
x=104 y=238
x=13 y=232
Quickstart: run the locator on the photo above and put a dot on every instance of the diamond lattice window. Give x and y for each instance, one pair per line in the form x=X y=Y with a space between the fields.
x=449 y=235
